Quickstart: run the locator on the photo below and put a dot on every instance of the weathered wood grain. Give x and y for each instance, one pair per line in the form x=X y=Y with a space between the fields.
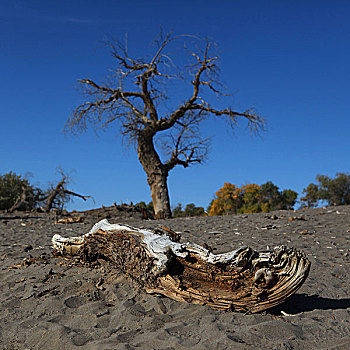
x=241 y=280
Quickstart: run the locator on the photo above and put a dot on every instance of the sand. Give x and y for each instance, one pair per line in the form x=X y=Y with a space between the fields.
x=51 y=303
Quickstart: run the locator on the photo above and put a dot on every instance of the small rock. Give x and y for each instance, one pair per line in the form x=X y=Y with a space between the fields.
x=269 y=227
x=293 y=218
x=305 y=232
x=80 y=340
x=28 y=248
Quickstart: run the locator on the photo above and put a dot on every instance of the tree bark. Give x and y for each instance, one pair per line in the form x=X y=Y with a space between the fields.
x=157 y=175
x=160 y=195
x=52 y=195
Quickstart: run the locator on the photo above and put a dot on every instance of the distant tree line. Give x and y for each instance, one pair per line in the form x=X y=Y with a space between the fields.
x=16 y=193
x=253 y=198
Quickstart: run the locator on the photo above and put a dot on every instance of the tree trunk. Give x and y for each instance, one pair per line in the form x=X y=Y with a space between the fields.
x=160 y=195
x=156 y=175
x=52 y=195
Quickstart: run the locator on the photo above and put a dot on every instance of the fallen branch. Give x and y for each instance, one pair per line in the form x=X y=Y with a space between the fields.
x=241 y=280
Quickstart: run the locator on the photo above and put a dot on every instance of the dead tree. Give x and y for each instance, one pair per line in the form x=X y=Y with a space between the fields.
x=240 y=280
x=136 y=99
x=57 y=196
x=59 y=191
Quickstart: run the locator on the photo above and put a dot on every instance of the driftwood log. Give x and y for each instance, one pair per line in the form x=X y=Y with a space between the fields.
x=241 y=280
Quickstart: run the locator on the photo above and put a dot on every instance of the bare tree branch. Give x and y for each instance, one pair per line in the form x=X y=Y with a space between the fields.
x=184 y=145
x=255 y=122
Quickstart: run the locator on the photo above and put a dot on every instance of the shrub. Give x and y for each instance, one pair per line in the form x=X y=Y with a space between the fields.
x=12 y=186
x=190 y=210
x=148 y=206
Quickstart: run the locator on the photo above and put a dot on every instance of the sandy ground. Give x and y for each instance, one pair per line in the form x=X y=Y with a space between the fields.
x=54 y=304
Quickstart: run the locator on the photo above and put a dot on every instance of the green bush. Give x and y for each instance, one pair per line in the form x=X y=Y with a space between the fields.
x=12 y=187
x=148 y=206
x=190 y=210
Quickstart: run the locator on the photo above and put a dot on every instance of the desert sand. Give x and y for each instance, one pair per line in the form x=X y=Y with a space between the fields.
x=50 y=302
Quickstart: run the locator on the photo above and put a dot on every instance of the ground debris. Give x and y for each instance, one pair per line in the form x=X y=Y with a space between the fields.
x=294 y=218
x=70 y=220
x=306 y=232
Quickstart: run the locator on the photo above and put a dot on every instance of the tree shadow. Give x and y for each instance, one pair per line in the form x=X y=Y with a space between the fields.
x=298 y=303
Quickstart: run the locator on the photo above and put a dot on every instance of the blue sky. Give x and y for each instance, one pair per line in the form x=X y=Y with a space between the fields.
x=288 y=59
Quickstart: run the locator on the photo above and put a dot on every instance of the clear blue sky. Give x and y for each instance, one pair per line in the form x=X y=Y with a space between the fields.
x=289 y=59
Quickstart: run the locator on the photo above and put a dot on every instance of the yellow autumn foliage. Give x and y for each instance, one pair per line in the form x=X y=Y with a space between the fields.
x=251 y=198
x=228 y=200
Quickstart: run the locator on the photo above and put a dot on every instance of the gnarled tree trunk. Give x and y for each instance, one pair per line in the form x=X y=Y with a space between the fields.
x=156 y=173
x=240 y=280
